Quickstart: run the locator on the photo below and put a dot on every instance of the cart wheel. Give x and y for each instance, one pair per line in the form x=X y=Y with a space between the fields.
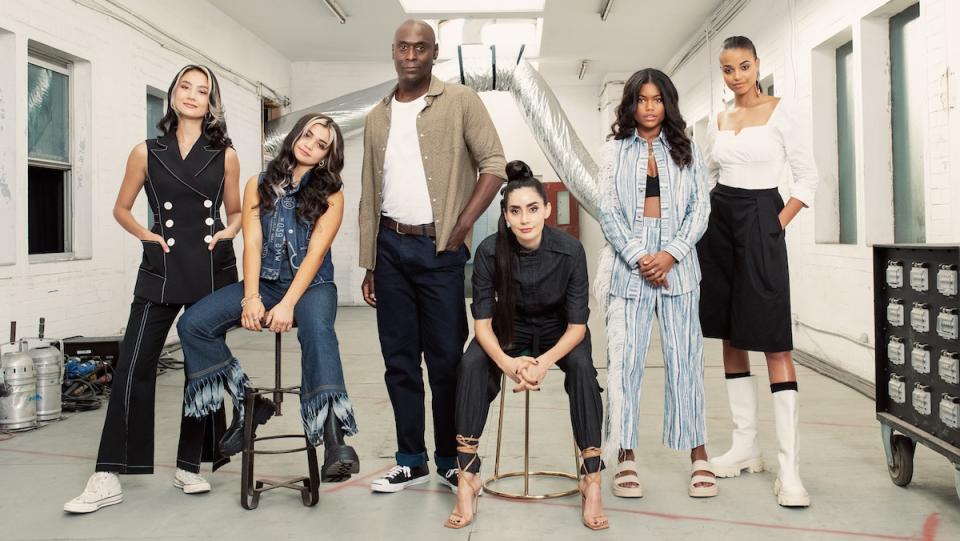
x=901 y=470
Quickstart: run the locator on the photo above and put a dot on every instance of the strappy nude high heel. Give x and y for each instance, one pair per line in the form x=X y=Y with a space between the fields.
x=465 y=445
x=597 y=522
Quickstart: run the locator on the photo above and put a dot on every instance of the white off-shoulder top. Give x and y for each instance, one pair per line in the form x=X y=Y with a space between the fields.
x=755 y=157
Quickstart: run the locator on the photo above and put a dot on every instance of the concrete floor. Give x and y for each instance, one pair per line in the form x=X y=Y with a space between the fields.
x=842 y=463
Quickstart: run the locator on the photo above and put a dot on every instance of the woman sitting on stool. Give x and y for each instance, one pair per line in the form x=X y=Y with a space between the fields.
x=530 y=303
x=291 y=214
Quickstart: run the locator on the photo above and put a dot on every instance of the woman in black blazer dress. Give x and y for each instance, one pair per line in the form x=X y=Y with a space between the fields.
x=187 y=174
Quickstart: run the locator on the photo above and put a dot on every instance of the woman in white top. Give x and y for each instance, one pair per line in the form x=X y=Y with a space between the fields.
x=746 y=285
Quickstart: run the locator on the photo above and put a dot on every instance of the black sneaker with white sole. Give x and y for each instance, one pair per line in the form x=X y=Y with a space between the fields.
x=449 y=478
x=401 y=477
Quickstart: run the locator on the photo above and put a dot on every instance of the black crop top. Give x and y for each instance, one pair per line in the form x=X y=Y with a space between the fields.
x=653 y=186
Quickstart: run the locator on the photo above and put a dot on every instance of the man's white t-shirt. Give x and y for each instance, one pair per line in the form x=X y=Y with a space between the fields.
x=405 y=195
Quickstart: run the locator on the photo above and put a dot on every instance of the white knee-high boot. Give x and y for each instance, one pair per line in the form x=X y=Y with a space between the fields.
x=788 y=487
x=744 y=453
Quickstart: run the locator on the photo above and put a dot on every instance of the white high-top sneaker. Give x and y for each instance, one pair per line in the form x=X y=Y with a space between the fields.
x=103 y=489
x=744 y=453
x=788 y=487
x=191 y=483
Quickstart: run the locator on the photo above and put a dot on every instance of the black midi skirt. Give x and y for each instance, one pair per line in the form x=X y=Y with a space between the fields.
x=745 y=291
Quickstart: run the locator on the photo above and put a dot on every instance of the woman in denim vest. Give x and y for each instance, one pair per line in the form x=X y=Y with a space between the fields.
x=291 y=214
x=654 y=211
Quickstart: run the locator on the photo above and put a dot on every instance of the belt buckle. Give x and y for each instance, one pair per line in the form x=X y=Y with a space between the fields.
x=397 y=228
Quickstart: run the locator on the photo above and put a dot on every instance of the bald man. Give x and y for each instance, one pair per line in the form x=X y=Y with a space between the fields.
x=432 y=163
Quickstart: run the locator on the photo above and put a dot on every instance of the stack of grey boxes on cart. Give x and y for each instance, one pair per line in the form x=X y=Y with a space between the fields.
x=917 y=319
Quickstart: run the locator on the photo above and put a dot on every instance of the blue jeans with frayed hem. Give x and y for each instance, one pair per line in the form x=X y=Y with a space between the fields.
x=211 y=367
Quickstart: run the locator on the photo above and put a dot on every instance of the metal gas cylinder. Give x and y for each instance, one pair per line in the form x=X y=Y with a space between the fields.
x=18 y=409
x=18 y=391
x=48 y=367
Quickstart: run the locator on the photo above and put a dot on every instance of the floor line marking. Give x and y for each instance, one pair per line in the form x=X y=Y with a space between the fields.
x=358 y=482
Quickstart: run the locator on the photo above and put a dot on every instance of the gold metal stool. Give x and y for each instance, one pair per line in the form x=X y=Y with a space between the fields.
x=526 y=473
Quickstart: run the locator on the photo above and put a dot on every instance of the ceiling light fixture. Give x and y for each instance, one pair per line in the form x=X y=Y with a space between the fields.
x=336 y=10
x=583 y=69
x=478 y=34
x=464 y=7
x=605 y=8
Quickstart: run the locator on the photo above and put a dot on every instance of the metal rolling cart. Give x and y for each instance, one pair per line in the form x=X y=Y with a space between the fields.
x=917 y=323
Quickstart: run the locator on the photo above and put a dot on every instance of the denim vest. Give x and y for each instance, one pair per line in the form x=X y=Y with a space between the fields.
x=284 y=232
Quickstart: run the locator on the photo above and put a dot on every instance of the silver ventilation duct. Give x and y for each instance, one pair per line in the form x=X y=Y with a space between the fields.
x=550 y=126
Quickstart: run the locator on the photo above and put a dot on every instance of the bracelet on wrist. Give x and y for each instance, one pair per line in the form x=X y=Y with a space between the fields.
x=257 y=297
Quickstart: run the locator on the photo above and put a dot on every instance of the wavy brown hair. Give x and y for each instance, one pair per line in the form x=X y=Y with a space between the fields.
x=214 y=121
x=673 y=124
x=325 y=177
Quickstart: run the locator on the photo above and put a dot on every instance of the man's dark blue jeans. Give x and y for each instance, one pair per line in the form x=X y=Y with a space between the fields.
x=421 y=311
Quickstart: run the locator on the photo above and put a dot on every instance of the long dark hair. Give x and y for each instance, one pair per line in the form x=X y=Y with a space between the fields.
x=325 y=177
x=742 y=42
x=673 y=124
x=519 y=175
x=214 y=122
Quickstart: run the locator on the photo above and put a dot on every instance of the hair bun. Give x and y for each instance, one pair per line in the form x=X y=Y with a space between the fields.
x=518 y=169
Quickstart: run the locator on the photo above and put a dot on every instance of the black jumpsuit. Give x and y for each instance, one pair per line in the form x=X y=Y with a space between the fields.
x=551 y=292
x=185 y=196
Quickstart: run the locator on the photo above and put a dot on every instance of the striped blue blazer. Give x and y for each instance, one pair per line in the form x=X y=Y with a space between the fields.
x=684 y=210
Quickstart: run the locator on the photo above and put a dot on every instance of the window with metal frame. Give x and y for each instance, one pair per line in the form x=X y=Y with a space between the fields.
x=908 y=110
x=846 y=145
x=49 y=160
x=156 y=107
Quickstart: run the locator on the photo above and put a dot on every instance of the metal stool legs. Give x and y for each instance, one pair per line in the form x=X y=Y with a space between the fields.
x=278 y=392
x=250 y=486
x=526 y=473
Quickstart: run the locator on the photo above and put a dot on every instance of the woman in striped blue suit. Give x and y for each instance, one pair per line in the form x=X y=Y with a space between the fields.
x=654 y=210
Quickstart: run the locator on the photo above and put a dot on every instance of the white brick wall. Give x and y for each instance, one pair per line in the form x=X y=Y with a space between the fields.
x=92 y=296
x=832 y=284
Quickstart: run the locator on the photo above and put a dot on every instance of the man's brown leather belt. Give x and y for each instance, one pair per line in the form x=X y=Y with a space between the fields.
x=427 y=229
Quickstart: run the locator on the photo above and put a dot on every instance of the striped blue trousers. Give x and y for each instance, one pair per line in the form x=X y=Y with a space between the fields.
x=629 y=326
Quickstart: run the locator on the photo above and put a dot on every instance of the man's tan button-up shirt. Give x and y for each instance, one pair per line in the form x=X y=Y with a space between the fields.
x=457 y=142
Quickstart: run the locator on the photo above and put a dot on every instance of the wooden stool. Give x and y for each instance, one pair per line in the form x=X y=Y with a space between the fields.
x=526 y=473
x=250 y=487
